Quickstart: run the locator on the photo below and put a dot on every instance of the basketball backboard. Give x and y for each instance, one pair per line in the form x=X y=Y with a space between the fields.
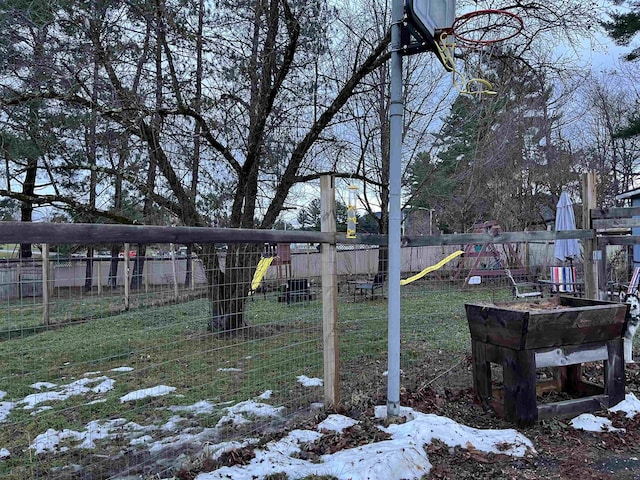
x=427 y=20
x=431 y=16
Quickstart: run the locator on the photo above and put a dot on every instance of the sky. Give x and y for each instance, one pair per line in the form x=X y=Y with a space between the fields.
x=402 y=456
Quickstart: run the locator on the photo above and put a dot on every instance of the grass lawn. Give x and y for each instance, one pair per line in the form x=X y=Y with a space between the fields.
x=169 y=345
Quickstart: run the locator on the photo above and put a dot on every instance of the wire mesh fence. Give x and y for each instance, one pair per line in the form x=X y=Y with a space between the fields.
x=103 y=375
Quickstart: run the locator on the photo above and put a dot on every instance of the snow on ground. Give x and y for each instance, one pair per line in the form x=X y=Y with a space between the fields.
x=57 y=441
x=336 y=423
x=122 y=369
x=591 y=423
x=402 y=456
x=63 y=392
x=158 y=391
x=49 y=441
x=266 y=395
x=202 y=407
x=41 y=385
x=630 y=405
x=309 y=382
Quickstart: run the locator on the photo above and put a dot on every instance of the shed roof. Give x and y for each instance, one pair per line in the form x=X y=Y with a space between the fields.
x=629 y=194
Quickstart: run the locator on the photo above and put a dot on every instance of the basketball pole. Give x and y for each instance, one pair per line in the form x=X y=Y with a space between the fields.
x=396 y=110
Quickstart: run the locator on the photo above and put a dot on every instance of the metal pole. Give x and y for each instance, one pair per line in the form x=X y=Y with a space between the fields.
x=395 y=153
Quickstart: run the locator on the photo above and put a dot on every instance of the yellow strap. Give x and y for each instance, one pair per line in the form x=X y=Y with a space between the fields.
x=261 y=269
x=430 y=269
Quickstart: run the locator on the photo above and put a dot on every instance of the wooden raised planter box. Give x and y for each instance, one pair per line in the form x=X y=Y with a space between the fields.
x=559 y=332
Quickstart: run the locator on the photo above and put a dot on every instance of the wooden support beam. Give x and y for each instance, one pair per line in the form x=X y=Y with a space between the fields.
x=589 y=198
x=94 y=233
x=329 y=294
x=616 y=223
x=616 y=212
x=614 y=372
x=620 y=240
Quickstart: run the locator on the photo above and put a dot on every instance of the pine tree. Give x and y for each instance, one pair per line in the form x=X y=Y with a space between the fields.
x=622 y=29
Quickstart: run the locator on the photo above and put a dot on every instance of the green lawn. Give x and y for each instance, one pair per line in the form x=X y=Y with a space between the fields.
x=169 y=345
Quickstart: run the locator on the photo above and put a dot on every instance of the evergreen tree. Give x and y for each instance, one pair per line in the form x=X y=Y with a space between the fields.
x=497 y=158
x=622 y=29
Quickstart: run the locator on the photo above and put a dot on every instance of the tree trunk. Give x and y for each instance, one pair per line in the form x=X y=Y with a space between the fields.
x=137 y=275
x=88 y=271
x=229 y=289
x=188 y=273
x=26 y=208
x=113 y=266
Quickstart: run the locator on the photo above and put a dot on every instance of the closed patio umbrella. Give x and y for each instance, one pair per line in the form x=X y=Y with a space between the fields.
x=565 y=250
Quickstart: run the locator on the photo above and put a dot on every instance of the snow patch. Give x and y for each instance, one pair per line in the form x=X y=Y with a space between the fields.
x=158 y=391
x=309 y=382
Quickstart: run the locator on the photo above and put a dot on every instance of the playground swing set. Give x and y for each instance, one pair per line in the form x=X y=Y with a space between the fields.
x=300 y=288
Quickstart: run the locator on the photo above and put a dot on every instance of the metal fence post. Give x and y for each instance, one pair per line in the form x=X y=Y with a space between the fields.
x=46 y=311
x=127 y=287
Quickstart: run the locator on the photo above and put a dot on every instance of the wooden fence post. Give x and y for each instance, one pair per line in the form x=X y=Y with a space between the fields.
x=145 y=274
x=174 y=270
x=589 y=200
x=329 y=294
x=99 y=275
x=192 y=273
x=46 y=308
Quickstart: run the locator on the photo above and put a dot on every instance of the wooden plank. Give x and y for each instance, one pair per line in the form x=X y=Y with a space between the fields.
x=545 y=386
x=519 y=373
x=570 y=337
x=470 y=238
x=572 y=407
x=496 y=326
x=621 y=240
x=571 y=355
x=589 y=199
x=481 y=372
x=616 y=223
x=578 y=319
x=79 y=233
x=329 y=294
x=615 y=212
x=614 y=372
x=593 y=321
x=495 y=354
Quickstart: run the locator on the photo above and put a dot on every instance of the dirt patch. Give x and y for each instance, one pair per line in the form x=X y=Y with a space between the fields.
x=441 y=384
x=562 y=451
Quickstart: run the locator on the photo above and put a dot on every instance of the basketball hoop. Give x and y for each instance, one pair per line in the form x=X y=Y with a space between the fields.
x=475 y=34
x=484 y=27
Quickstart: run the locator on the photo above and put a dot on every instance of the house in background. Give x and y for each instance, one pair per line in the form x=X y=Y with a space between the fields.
x=632 y=198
